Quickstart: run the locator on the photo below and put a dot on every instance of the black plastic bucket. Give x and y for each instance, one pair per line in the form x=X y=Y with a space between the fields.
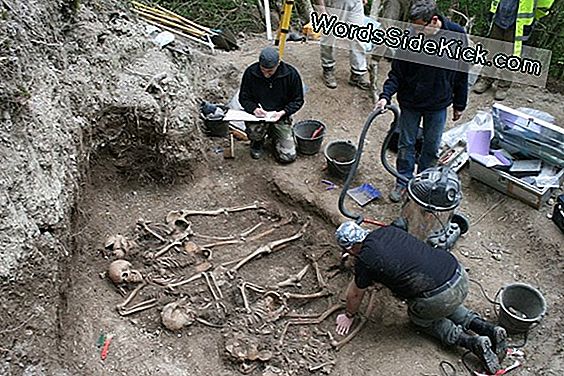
x=340 y=156
x=216 y=128
x=521 y=307
x=306 y=143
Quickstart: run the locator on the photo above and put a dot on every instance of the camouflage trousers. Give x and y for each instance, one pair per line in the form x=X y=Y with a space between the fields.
x=443 y=316
x=280 y=132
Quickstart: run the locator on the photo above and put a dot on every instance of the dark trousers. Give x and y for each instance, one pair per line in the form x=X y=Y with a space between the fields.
x=505 y=35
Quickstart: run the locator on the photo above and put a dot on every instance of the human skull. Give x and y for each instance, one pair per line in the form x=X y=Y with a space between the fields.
x=177 y=315
x=121 y=271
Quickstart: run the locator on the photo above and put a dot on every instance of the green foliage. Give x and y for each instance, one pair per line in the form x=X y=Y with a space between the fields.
x=477 y=9
x=22 y=92
x=548 y=33
x=237 y=15
x=75 y=4
x=221 y=14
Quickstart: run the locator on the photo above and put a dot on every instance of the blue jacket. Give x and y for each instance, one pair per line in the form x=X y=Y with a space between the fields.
x=422 y=87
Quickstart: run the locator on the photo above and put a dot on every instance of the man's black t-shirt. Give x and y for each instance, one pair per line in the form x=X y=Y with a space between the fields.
x=402 y=263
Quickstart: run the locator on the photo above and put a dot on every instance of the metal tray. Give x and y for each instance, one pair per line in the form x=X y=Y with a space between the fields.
x=512 y=186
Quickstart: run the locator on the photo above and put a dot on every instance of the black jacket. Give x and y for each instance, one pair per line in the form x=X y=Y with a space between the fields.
x=282 y=91
x=422 y=87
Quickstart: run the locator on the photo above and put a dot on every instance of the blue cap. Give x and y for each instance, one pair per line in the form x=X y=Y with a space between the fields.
x=349 y=233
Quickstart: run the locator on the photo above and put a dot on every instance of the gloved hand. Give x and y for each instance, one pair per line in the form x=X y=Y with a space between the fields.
x=343 y=324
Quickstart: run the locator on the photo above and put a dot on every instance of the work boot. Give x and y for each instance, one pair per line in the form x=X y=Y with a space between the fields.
x=257 y=149
x=501 y=93
x=360 y=81
x=285 y=150
x=496 y=334
x=397 y=193
x=329 y=78
x=481 y=85
x=480 y=346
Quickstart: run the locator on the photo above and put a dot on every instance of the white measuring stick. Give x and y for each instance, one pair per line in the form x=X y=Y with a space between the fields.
x=267 y=17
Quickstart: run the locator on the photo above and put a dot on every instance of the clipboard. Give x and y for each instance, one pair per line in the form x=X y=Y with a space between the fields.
x=238 y=115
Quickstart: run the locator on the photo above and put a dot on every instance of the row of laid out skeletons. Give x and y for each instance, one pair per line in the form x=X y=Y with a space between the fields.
x=176 y=251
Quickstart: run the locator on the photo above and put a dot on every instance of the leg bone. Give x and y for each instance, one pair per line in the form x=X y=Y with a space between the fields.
x=246 y=233
x=184 y=282
x=266 y=249
x=245 y=300
x=315 y=295
x=225 y=242
x=150 y=231
x=320 y=281
x=294 y=280
x=132 y=295
x=214 y=280
x=150 y=303
x=186 y=213
x=309 y=321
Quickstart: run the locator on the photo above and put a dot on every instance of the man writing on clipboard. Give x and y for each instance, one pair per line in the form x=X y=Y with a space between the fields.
x=271 y=89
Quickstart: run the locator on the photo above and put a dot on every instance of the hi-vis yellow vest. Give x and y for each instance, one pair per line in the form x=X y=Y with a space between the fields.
x=528 y=12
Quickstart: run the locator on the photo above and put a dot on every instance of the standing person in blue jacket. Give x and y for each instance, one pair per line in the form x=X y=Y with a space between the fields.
x=423 y=92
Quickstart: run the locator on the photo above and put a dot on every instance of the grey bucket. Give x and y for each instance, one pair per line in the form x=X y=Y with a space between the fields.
x=340 y=156
x=303 y=131
x=521 y=308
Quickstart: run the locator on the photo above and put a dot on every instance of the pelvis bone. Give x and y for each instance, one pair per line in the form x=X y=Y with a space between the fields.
x=119 y=245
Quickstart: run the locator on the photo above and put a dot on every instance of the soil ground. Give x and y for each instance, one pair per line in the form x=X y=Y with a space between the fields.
x=513 y=243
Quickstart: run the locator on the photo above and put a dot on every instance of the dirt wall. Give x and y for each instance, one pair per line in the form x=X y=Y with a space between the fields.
x=75 y=83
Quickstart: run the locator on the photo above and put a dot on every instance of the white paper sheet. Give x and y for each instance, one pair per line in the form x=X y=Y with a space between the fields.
x=238 y=115
x=486 y=160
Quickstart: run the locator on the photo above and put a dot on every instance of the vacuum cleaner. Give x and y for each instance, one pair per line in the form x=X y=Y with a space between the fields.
x=429 y=210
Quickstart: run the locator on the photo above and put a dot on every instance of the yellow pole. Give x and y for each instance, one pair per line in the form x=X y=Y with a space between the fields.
x=284 y=26
x=277 y=39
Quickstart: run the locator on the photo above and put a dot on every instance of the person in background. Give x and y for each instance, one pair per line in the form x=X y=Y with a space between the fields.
x=512 y=22
x=431 y=280
x=423 y=92
x=350 y=11
x=271 y=89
